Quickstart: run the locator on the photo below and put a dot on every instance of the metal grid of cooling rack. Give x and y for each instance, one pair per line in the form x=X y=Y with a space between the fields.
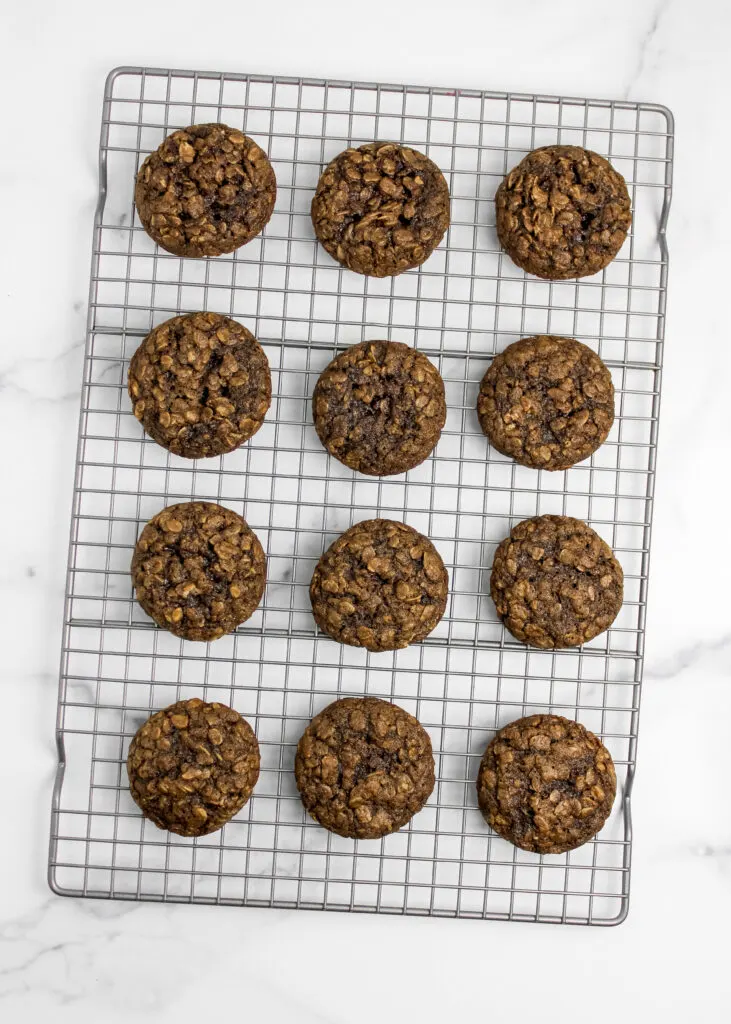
x=470 y=677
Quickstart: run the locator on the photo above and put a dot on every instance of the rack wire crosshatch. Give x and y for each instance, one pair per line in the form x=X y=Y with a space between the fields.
x=470 y=677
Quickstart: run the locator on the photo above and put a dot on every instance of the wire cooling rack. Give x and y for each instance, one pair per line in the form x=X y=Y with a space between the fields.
x=470 y=677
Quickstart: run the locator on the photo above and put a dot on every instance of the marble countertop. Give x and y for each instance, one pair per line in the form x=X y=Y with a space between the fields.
x=87 y=961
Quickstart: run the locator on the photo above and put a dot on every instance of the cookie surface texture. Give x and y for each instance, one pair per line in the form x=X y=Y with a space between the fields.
x=546 y=784
x=555 y=582
x=207 y=190
x=563 y=212
x=364 y=767
x=193 y=766
x=380 y=585
x=200 y=385
x=379 y=407
x=547 y=402
x=198 y=570
x=381 y=209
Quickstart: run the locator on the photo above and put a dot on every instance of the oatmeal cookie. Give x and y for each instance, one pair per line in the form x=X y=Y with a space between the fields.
x=192 y=766
x=381 y=209
x=555 y=582
x=546 y=784
x=205 y=191
x=547 y=402
x=563 y=212
x=198 y=570
x=200 y=385
x=364 y=767
x=380 y=585
x=379 y=407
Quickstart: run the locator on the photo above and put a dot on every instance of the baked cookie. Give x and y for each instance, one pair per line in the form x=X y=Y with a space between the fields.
x=193 y=766
x=205 y=191
x=547 y=402
x=563 y=212
x=546 y=784
x=198 y=570
x=381 y=209
x=555 y=582
x=200 y=385
x=379 y=407
x=364 y=767
x=380 y=585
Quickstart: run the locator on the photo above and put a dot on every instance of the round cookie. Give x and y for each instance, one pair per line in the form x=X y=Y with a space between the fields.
x=381 y=209
x=555 y=582
x=200 y=385
x=198 y=570
x=380 y=585
x=563 y=212
x=546 y=402
x=364 y=767
x=546 y=784
x=379 y=407
x=192 y=766
x=205 y=191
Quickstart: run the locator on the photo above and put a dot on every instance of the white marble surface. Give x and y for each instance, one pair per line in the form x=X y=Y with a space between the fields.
x=83 y=961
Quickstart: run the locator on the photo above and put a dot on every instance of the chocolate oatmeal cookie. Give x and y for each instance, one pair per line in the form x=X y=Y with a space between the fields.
x=547 y=402
x=379 y=407
x=381 y=209
x=364 y=767
x=193 y=766
x=380 y=585
x=555 y=582
x=200 y=385
x=563 y=212
x=205 y=191
x=546 y=784
x=198 y=570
